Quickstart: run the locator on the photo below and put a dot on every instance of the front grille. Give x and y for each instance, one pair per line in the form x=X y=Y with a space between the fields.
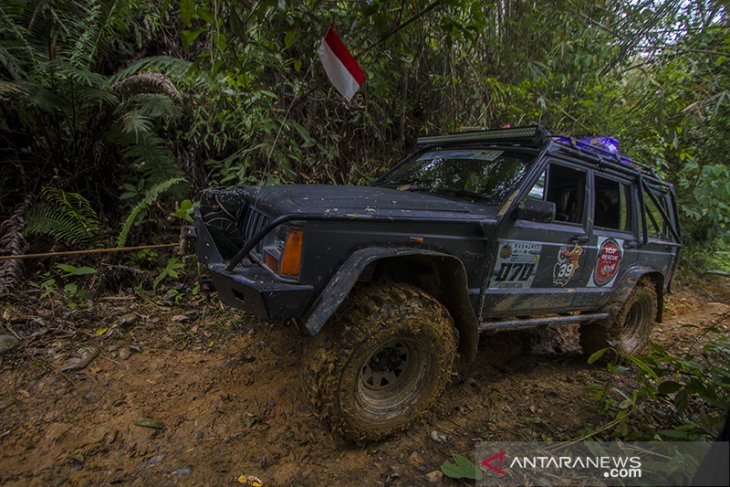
x=250 y=222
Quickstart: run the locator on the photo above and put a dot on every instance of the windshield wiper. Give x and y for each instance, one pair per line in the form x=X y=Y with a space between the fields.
x=412 y=182
x=460 y=192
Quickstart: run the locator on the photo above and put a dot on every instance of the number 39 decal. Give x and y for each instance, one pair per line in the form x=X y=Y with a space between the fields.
x=567 y=265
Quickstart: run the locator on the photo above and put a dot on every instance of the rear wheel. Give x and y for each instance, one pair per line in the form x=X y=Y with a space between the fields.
x=381 y=362
x=628 y=331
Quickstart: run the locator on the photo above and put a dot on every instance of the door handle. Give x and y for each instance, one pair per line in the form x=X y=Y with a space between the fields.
x=580 y=239
x=631 y=244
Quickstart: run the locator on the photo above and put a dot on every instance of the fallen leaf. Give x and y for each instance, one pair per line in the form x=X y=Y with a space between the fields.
x=249 y=481
x=462 y=468
x=101 y=331
x=85 y=356
x=149 y=423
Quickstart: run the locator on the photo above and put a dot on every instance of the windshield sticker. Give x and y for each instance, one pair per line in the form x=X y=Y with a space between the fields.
x=608 y=262
x=516 y=265
x=567 y=265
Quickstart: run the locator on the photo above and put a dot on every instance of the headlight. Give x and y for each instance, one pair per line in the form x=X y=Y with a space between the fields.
x=282 y=250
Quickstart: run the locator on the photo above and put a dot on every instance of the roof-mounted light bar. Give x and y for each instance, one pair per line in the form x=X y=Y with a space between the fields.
x=535 y=134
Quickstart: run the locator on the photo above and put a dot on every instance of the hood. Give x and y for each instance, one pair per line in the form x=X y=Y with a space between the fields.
x=359 y=200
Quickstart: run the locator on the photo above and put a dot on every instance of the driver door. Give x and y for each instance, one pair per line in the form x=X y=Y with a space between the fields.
x=537 y=263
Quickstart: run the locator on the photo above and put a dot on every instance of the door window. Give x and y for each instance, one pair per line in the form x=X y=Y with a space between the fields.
x=566 y=188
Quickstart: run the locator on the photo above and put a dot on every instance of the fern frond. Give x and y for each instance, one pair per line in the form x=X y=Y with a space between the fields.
x=82 y=76
x=75 y=206
x=85 y=46
x=148 y=152
x=16 y=37
x=170 y=66
x=149 y=199
x=46 y=220
x=147 y=83
x=9 y=88
x=155 y=106
x=10 y=63
x=67 y=217
x=135 y=122
x=112 y=24
x=94 y=96
x=46 y=100
x=12 y=242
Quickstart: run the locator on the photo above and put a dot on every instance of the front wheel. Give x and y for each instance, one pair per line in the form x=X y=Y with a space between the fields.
x=381 y=362
x=628 y=331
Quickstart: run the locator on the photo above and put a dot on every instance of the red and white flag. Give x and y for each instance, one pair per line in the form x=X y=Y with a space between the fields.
x=341 y=68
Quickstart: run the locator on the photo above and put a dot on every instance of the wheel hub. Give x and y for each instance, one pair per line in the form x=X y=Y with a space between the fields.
x=386 y=367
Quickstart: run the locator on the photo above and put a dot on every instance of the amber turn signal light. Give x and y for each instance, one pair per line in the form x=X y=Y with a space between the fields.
x=291 y=258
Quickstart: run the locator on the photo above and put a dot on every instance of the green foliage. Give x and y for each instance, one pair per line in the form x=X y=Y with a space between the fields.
x=185 y=210
x=170 y=270
x=66 y=217
x=462 y=468
x=711 y=258
x=72 y=111
x=674 y=397
x=70 y=270
x=68 y=275
x=653 y=75
x=133 y=92
x=152 y=195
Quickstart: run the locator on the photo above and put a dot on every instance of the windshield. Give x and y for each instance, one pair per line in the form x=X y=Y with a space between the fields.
x=476 y=174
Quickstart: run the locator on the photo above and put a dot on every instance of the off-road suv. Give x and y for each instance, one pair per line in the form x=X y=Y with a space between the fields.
x=476 y=232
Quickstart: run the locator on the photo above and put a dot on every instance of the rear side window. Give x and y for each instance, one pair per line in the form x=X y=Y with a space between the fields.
x=657 y=201
x=613 y=205
x=656 y=224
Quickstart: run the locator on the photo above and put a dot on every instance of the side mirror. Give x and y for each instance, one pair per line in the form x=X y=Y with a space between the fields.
x=535 y=211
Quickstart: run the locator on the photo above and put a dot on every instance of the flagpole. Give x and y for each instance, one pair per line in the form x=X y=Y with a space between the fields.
x=281 y=127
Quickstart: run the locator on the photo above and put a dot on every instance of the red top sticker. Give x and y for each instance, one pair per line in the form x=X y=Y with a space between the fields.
x=609 y=258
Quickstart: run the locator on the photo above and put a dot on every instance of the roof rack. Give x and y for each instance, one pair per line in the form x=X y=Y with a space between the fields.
x=533 y=135
x=536 y=136
x=603 y=154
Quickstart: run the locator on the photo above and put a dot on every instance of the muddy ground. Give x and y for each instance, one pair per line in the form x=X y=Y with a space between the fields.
x=223 y=391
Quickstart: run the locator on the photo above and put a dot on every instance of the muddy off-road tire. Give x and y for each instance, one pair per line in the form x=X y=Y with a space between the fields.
x=381 y=361
x=629 y=329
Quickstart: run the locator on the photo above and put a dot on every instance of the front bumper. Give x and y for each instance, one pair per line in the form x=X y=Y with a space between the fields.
x=248 y=286
x=251 y=288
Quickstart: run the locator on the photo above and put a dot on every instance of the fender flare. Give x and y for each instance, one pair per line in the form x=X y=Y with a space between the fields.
x=627 y=283
x=456 y=301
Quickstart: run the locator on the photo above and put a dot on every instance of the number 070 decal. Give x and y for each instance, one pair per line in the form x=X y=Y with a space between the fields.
x=516 y=265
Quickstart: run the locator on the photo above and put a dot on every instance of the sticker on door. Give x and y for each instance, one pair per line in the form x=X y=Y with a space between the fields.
x=608 y=262
x=516 y=265
x=567 y=266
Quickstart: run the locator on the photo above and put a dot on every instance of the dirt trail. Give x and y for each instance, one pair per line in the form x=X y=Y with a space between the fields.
x=226 y=391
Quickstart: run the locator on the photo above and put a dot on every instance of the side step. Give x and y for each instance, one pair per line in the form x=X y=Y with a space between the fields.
x=535 y=322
